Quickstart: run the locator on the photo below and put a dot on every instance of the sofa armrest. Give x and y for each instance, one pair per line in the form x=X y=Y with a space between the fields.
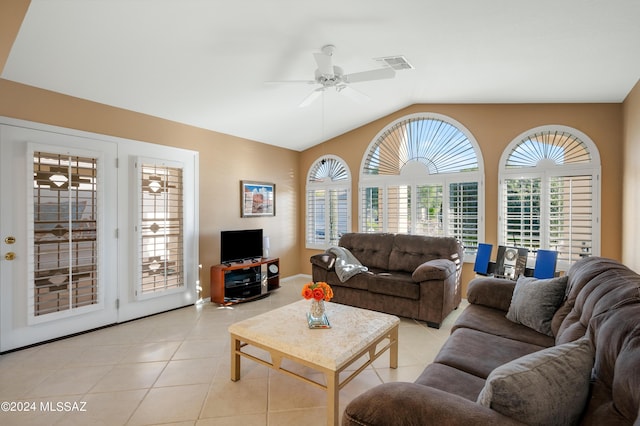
x=401 y=403
x=492 y=292
x=323 y=260
x=436 y=269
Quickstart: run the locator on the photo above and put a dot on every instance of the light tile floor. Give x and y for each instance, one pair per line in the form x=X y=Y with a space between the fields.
x=173 y=368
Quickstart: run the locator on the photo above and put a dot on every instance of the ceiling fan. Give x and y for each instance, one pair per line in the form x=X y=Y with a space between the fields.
x=328 y=75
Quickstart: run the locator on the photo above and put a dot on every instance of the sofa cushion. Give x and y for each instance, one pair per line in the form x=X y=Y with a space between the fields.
x=397 y=284
x=491 y=292
x=372 y=250
x=451 y=380
x=535 y=301
x=359 y=281
x=410 y=251
x=549 y=387
x=410 y=404
x=437 y=269
x=494 y=321
x=480 y=353
x=595 y=286
x=615 y=393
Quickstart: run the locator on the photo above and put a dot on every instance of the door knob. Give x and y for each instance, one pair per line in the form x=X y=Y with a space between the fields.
x=10 y=240
x=9 y=255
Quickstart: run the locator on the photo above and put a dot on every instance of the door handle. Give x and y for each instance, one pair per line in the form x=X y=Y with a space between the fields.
x=9 y=255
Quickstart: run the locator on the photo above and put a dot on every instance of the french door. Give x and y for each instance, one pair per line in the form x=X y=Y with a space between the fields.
x=94 y=230
x=58 y=222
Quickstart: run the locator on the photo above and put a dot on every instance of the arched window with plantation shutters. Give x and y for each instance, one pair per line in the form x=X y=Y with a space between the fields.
x=328 y=202
x=423 y=174
x=550 y=193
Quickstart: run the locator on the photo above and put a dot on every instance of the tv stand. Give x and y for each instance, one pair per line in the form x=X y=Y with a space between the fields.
x=252 y=279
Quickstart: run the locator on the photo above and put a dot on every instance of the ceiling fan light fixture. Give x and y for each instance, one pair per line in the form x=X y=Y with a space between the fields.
x=328 y=49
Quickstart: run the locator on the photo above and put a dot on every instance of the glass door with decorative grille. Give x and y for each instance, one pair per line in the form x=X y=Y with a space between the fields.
x=58 y=220
x=159 y=238
x=159 y=228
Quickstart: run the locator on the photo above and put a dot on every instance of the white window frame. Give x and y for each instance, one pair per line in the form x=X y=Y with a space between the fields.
x=546 y=170
x=328 y=185
x=415 y=174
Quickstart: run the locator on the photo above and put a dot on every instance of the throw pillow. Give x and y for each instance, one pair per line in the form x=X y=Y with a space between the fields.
x=548 y=387
x=535 y=301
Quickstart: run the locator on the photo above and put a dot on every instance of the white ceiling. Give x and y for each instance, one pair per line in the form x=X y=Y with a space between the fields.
x=205 y=62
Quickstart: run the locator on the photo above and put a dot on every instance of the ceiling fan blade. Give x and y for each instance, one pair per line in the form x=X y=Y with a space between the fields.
x=325 y=63
x=354 y=94
x=311 y=97
x=378 y=74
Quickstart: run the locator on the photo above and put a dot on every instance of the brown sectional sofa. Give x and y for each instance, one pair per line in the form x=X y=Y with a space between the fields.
x=599 y=312
x=408 y=275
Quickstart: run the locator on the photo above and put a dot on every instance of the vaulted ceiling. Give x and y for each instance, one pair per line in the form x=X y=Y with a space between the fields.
x=212 y=63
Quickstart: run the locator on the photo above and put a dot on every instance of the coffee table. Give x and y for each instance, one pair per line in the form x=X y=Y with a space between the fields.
x=284 y=333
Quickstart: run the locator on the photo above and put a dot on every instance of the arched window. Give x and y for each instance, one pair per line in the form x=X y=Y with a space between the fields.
x=423 y=174
x=549 y=193
x=328 y=202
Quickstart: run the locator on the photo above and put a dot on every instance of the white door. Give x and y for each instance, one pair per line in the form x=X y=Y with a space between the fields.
x=158 y=223
x=58 y=234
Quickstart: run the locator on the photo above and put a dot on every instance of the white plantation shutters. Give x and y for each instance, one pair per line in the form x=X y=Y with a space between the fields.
x=523 y=215
x=160 y=227
x=328 y=202
x=399 y=209
x=549 y=193
x=429 y=214
x=316 y=210
x=463 y=218
x=65 y=235
x=372 y=207
x=571 y=216
x=422 y=175
x=437 y=143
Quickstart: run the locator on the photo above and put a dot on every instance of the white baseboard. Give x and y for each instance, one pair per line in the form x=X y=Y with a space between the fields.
x=306 y=276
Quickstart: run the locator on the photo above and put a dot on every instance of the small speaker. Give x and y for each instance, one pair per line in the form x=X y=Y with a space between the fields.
x=266 y=245
x=510 y=259
x=273 y=268
x=481 y=265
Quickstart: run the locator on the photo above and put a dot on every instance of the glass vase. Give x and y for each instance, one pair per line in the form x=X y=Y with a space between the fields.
x=317 y=310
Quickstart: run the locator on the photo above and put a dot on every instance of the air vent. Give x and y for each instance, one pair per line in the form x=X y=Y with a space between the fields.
x=398 y=63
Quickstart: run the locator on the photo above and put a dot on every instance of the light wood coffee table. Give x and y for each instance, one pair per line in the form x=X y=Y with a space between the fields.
x=283 y=333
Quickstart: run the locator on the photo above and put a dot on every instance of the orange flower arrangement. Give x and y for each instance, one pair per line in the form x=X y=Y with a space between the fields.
x=318 y=291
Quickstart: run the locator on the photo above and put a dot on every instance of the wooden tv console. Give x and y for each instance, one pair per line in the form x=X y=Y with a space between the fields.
x=244 y=281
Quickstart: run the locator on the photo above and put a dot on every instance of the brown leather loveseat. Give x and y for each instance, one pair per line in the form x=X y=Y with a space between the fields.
x=413 y=276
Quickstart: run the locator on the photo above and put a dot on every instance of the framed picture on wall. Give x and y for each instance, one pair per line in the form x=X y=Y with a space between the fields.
x=257 y=199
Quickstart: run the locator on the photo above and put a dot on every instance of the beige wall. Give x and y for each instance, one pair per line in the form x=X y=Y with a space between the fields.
x=494 y=127
x=631 y=166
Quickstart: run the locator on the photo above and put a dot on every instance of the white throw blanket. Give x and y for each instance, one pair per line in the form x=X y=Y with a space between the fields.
x=346 y=263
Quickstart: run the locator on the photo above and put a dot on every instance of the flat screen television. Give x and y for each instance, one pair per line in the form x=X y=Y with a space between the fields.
x=236 y=246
